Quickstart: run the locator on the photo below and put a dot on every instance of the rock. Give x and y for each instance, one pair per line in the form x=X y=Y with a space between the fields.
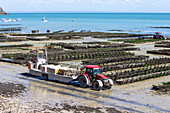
x=156 y=87
x=129 y=80
x=120 y=81
x=2 y=12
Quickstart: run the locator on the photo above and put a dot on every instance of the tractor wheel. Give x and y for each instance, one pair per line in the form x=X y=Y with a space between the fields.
x=83 y=81
x=97 y=85
x=161 y=37
x=155 y=37
x=110 y=83
x=45 y=76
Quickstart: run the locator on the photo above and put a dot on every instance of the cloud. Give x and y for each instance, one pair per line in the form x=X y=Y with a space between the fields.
x=86 y=5
x=138 y=1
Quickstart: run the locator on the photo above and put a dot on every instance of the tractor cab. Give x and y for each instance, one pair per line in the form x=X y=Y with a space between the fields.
x=92 y=69
x=93 y=72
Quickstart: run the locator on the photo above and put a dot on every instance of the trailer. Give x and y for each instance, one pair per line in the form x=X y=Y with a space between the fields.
x=39 y=66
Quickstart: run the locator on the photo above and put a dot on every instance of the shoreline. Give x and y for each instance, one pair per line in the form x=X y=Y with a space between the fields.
x=116 y=22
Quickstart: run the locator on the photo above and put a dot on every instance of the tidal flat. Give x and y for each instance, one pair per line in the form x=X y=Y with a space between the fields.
x=129 y=65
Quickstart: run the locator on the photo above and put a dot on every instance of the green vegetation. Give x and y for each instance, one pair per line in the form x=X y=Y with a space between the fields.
x=103 y=43
x=14 y=48
x=116 y=30
x=142 y=40
x=166 y=83
x=11 y=29
x=120 y=40
x=161 y=52
x=11 y=46
x=136 y=40
x=86 y=33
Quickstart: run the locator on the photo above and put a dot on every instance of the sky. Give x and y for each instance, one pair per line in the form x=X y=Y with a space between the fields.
x=136 y=6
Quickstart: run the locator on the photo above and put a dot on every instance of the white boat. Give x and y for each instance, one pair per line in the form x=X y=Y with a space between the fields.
x=5 y=21
x=2 y=18
x=43 y=19
x=19 y=19
x=14 y=20
x=9 y=20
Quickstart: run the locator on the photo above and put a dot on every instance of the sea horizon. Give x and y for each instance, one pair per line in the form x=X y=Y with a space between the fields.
x=91 y=12
x=138 y=23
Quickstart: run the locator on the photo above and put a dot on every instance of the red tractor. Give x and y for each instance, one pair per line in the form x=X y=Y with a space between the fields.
x=158 y=36
x=93 y=77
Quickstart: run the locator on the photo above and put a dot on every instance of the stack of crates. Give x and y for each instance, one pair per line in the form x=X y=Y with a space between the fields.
x=53 y=69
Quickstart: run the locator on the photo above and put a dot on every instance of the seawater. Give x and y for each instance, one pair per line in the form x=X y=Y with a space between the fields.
x=129 y=22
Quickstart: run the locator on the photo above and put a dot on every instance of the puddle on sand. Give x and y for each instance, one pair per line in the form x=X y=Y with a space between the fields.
x=6 y=59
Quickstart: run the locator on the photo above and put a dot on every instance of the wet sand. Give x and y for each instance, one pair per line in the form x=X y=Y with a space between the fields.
x=44 y=95
x=144 y=47
x=83 y=39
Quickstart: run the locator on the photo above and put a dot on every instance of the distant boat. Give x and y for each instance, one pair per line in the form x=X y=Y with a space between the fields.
x=19 y=19
x=5 y=21
x=2 y=18
x=14 y=20
x=72 y=20
x=9 y=20
x=43 y=19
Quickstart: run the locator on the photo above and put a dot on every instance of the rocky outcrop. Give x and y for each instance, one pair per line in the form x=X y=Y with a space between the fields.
x=2 y=12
